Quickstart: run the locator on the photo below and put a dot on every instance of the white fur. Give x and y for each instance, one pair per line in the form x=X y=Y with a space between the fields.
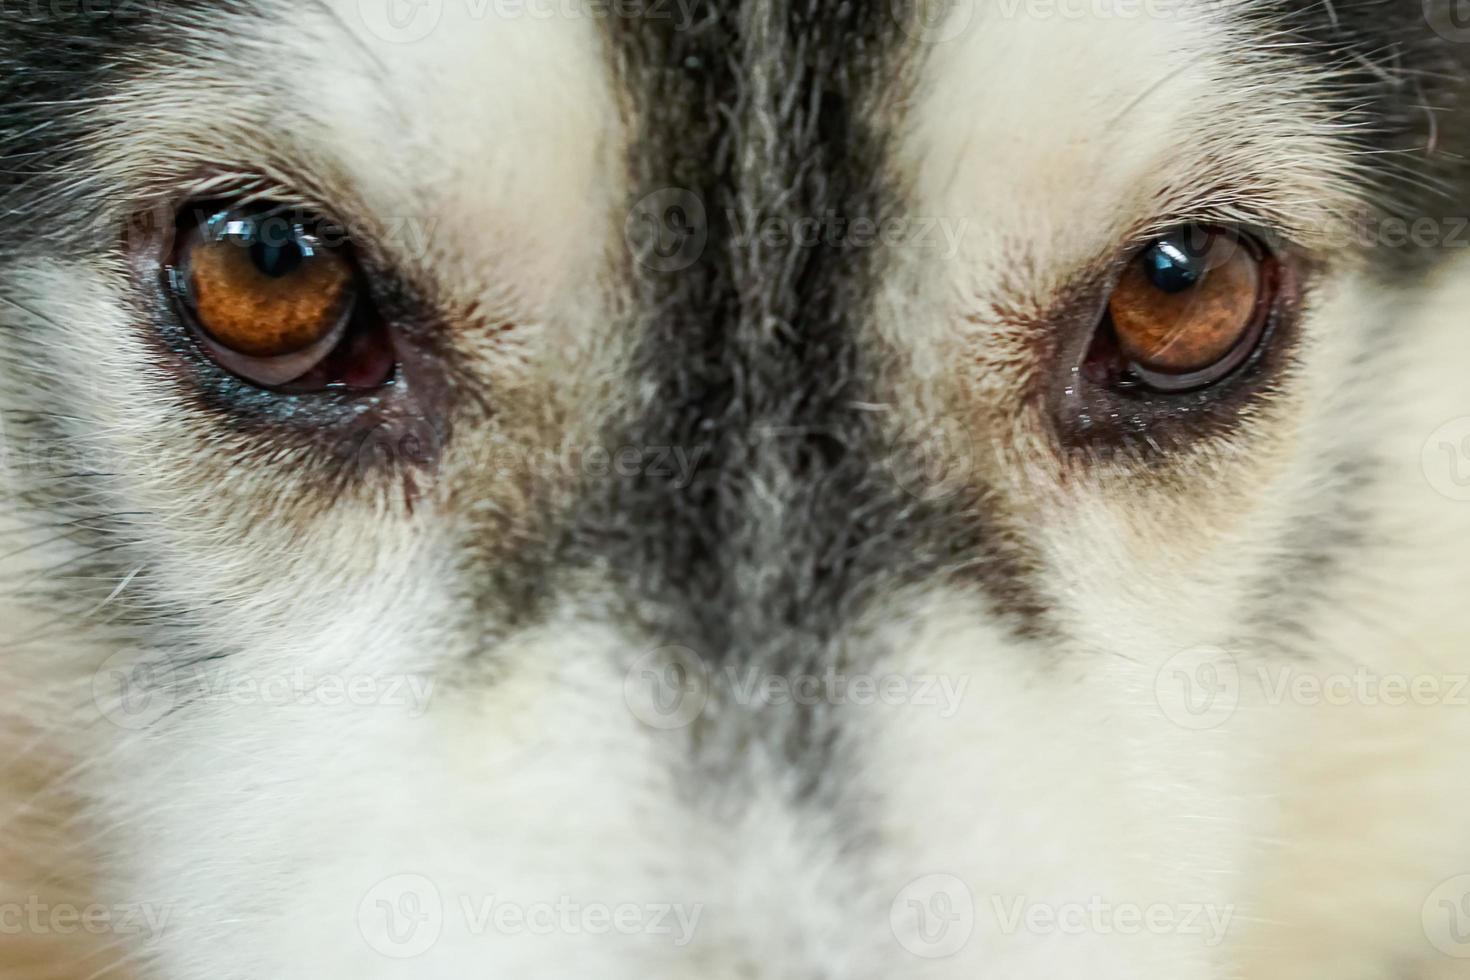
x=1314 y=835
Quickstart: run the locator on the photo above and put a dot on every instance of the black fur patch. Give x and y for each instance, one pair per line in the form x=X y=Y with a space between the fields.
x=767 y=115
x=1401 y=86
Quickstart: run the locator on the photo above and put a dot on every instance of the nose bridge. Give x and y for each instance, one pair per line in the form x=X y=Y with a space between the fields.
x=752 y=148
x=757 y=144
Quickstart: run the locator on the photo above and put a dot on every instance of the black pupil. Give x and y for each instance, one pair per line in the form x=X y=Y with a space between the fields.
x=1177 y=263
x=276 y=260
x=276 y=247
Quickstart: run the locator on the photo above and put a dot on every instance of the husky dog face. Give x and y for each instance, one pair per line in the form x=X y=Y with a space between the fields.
x=734 y=516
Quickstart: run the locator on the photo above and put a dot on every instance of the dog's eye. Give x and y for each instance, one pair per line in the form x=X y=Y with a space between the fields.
x=275 y=302
x=1189 y=308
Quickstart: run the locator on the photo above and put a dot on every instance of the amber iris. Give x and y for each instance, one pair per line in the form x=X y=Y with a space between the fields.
x=265 y=289
x=1188 y=302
